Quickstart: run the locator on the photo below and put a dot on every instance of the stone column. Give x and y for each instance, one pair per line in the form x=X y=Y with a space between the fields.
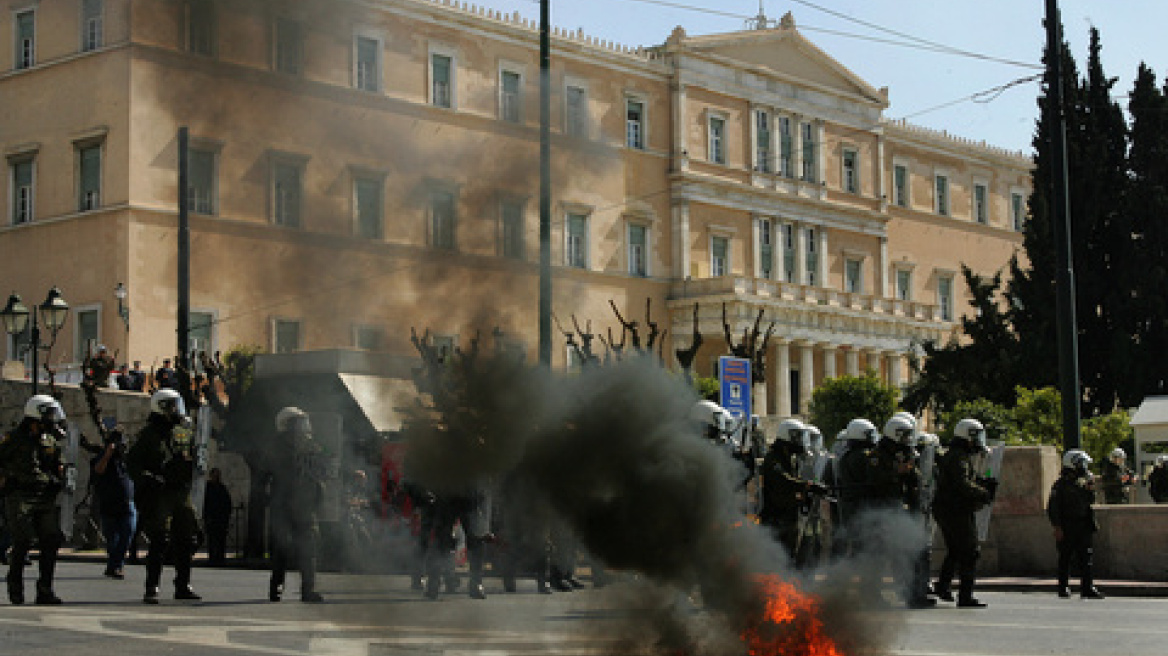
x=783 y=379
x=894 y=369
x=800 y=254
x=829 y=361
x=806 y=376
x=852 y=359
x=882 y=272
x=681 y=254
x=821 y=262
x=874 y=363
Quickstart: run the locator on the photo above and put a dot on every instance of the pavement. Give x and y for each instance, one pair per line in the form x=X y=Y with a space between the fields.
x=1036 y=584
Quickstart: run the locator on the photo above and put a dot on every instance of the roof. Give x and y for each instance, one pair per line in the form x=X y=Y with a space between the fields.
x=1154 y=410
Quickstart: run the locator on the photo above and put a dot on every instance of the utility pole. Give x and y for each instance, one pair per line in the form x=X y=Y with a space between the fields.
x=545 y=189
x=184 y=249
x=1068 y=333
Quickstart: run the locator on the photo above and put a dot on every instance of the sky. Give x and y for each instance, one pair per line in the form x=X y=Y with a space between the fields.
x=920 y=78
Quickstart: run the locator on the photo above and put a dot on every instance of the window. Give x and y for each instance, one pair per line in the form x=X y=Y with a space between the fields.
x=718 y=139
x=89 y=177
x=789 y=253
x=945 y=297
x=367 y=73
x=638 y=250
x=762 y=142
x=443 y=220
x=513 y=229
x=201 y=332
x=286 y=336
x=25 y=39
x=202 y=180
x=22 y=179
x=786 y=148
x=91 y=32
x=634 y=124
x=719 y=256
x=367 y=207
x=441 y=78
x=853 y=276
x=900 y=185
x=904 y=284
x=576 y=108
x=942 y=194
x=288 y=47
x=812 y=259
x=576 y=249
x=88 y=333
x=201 y=27
x=766 y=249
x=1017 y=212
x=851 y=162
x=981 y=210
x=509 y=96
x=368 y=338
x=19 y=346
x=809 y=148
x=286 y=192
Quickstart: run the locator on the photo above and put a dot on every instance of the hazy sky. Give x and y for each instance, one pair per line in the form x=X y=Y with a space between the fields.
x=919 y=80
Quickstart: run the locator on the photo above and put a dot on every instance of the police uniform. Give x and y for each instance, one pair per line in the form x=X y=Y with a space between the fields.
x=1158 y=483
x=297 y=475
x=958 y=497
x=1069 y=510
x=33 y=475
x=163 y=470
x=783 y=493
x=1115 y=485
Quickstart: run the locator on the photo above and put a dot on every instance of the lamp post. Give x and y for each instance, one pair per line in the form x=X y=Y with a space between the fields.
x=51 y=313
x=124 y=312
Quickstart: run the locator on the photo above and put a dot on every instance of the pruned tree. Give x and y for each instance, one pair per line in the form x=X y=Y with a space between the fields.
x=750 y=348
x=685 y=357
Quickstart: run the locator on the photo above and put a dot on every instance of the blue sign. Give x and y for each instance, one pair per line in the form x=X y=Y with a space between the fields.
x=734 y=374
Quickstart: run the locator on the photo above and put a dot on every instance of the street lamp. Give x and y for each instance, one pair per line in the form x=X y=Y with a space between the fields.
x=51 y=313
x=123 y=311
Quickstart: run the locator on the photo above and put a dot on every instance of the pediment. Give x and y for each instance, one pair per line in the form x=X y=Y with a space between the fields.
x=786 y=53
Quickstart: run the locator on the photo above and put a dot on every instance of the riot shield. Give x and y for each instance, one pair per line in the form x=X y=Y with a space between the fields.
x=991 y=467
x=69 y=497
x=201 y=455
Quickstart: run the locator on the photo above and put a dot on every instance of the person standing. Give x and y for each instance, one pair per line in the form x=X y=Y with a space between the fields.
x=296 y=471
x=1158 y=480
x=959 y=496
x=163 y=470
x=216 y=517
x=165 y=377
x=1117 y=478
x=33 y=473
x=784 y=493
x=115 y=499
x=1070 y=513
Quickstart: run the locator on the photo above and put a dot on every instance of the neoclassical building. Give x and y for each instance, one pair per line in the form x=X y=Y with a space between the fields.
x=358 y=169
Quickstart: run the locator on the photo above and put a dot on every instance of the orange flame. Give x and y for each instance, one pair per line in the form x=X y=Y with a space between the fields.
x=788 y=623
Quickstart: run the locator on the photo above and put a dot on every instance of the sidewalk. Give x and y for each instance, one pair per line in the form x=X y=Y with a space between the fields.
x=1041 y=585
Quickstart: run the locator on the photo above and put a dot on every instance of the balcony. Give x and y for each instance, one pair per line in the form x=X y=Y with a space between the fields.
x=798 y=296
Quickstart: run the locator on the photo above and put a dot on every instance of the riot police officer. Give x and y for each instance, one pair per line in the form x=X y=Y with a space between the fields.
x=1117 y=477
x=852 y=474
x=297 y=472
x=33 y=473
x=162 y=466
x=1158 y=480
x=784 y=493
x=959 y=496
x=1069 y=510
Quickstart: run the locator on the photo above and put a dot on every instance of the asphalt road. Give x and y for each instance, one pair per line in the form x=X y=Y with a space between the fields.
x=380 y=616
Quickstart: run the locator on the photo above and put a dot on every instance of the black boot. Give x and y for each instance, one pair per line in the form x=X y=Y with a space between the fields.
x=965 y=598
x=942 y=591
x=186 y=592
x=475 y=590
x=1089 y=591
x=311 y=597
x=16 y=589
x=45 y=595
x=1064 y=591
x=275 y=591
x=151 y=596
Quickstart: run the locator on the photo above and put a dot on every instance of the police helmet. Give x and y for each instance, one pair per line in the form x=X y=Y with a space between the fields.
x=816 y=438
x=1076 y=459
x=972 y=431
x=292 y=418
x=900 y=429
x=710 y=415
x=928 y=440
x=1117 y=455
x=861 y=430
x=794 y=433
x=1162 y=461
x=44 y=408
x=168 y=403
